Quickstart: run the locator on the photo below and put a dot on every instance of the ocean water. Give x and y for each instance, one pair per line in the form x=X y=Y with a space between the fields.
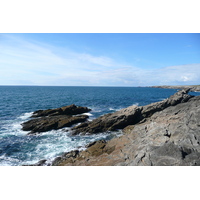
x=17 y=103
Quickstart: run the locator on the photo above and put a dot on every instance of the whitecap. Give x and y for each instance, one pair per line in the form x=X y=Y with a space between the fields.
x=8 y=161
x=25 y=116
x=12 y=128
x=88 y=114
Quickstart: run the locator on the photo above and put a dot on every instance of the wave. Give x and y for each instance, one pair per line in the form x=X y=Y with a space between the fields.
x=8 y=161
x=88 y=114
x=25 y=116
x=23 y=149
x=13 y=127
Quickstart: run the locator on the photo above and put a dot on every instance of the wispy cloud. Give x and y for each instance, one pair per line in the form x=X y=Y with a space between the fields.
x=35 y=63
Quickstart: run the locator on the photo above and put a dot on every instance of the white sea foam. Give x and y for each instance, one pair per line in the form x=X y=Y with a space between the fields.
x=89 y=114
x=25 y=116
x=47 y=145
x=8 y=161
x=14 y=127
x=59 y=142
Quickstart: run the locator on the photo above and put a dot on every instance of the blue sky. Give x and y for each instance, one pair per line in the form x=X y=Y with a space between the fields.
x=100 y=59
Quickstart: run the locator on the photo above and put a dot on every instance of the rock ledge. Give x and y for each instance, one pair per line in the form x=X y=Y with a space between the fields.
x=53 y=119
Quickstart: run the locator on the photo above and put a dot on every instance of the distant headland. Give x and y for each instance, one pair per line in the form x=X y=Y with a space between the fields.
x=194 y=88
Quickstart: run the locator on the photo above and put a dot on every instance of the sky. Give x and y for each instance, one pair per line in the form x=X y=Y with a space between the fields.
x=99 y=59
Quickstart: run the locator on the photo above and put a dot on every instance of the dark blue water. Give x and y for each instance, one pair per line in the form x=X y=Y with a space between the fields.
x=18 y=102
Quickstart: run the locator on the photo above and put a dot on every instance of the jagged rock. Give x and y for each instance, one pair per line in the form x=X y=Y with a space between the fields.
x=66 y=110
x=167 y=137
x=129 y=116
x=53 y=119
x=44 y=124
x=109 y=122
x=179 y=97
x=94 y=149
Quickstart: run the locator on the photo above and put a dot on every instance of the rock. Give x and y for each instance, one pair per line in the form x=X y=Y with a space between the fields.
x=129 y=116
x=167 y=137
x=94 y=149
x=195 y=88
x=53 y=119
x=44 y=124
x=40 y=163
x=179 y=97
x=66 y=110
x=110 y=122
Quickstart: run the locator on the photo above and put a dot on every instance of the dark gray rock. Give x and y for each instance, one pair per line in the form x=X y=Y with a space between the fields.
x=53 y=119
x=66 y=110
x=44 y=124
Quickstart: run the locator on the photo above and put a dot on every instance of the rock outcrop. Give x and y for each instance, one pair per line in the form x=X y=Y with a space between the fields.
x=53 y=119
x=129 y=116
x=168 y=134
x=194 y=88
x=109 y=122
x=66 y=110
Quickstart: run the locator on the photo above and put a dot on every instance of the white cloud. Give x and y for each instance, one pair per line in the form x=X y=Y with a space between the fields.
x=29 y=62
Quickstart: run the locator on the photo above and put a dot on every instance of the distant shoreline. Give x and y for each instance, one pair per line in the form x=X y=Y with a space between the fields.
x=193 y=88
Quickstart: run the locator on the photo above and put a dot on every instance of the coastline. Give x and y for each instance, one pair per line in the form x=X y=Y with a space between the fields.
x=164 y=133
x=193 y=88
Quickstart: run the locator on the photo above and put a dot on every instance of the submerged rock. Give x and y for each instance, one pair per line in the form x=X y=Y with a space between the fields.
x=53 y=119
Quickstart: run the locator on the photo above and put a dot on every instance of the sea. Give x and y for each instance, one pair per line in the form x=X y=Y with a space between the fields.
x=17 y=103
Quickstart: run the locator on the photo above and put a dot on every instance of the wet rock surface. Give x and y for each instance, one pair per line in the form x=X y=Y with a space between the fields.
x=168 y=134
x=53 y=119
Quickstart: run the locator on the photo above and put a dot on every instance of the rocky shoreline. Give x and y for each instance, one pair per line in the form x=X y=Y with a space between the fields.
x=164 y=133
x=54 y=119
x=193 y=88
